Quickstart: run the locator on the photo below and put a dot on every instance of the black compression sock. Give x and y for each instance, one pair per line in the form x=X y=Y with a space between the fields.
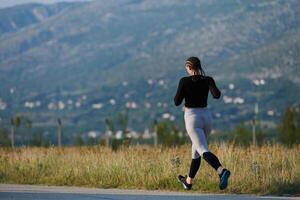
x=212 y=160
x=195 y=164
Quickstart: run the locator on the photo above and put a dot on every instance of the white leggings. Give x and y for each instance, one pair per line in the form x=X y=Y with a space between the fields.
x=198 y=126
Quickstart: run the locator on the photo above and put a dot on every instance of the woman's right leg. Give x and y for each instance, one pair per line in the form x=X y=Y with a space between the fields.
x=195 y=165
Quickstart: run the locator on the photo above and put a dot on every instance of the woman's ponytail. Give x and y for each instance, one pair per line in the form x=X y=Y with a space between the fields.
x=196 y=65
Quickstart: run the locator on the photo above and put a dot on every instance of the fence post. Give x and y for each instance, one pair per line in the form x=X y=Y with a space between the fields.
x=59 y=132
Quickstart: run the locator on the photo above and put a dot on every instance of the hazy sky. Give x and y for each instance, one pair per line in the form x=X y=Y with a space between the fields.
x=8 y=3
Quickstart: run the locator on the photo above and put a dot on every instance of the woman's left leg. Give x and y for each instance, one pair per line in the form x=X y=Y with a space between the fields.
x=200 y=144
x=213 y=161
x=208 y=156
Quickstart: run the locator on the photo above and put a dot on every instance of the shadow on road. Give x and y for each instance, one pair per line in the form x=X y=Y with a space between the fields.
x=286 y=189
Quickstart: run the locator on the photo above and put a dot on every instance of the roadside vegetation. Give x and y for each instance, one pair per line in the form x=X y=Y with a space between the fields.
x=267 y=169
x=271 y=166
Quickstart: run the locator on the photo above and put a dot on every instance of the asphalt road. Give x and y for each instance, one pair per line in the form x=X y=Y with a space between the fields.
x=26 y=192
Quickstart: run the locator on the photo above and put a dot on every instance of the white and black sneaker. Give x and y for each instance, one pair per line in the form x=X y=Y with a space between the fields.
x=182 y=179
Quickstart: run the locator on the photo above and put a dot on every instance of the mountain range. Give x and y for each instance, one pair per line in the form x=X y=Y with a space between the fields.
x=83 y=62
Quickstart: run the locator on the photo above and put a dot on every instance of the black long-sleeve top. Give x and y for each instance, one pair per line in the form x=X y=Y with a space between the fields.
x=194 y=89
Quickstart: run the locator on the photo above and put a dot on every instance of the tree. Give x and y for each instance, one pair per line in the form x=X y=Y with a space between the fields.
x=110 y=129
x=168 y=134
x=78 y=140
x=289 y=127
x=122 y=119
x=36 y=139
x=242 y=135
x=4 y=137
x=15 y=122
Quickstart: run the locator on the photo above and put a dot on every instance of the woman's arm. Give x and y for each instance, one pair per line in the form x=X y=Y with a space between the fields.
x=214 y=90
x=179 y=94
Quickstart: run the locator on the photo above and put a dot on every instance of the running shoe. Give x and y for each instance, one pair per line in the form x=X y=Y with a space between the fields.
x=224 y=176
x=182 y=179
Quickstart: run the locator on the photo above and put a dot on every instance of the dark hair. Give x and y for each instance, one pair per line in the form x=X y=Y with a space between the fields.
x=195 y=64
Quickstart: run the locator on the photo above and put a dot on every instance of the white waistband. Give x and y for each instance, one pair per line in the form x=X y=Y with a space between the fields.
x=195 y=109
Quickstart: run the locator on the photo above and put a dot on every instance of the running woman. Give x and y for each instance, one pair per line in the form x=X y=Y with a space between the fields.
x=194 y=90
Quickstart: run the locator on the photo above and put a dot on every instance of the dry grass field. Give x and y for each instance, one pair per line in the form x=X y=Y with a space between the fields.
x=269 y=169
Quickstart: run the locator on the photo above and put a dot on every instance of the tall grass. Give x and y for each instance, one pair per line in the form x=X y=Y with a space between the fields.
x=270 y=169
